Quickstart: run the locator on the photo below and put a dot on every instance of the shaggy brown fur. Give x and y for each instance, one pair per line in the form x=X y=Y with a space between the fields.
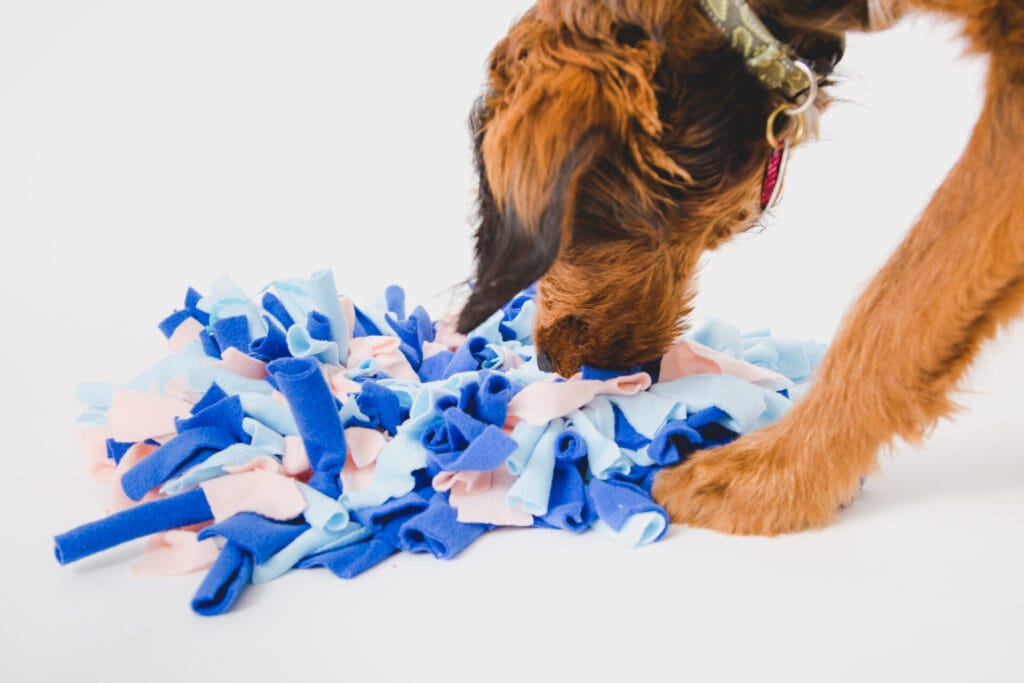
x=620 y=139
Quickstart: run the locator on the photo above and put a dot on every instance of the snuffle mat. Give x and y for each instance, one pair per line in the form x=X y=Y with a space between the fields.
x=298 y=430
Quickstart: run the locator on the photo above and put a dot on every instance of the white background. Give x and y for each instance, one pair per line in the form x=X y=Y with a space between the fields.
x=148 y=146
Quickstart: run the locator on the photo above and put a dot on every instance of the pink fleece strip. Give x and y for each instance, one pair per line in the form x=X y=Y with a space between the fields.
x=92 y=444
x=354 y=478
x=510 y=360
x=186 y=333
x=262 y=463
x=295 y=459
x=178 y=387
x=488 y=506
x=266 y=494
x=432 y=349
x=446 y=331
x=468 y=481
x=237 y=362
x=385 y=351
x=687 y=358
x=341 y=385
x=139 y=415
x=364 y=445
x=176 y=552
x=541 y=402
x=116 y=498
x=348 y=309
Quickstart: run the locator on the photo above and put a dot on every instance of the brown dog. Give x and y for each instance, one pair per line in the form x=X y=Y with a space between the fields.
x=620 y=139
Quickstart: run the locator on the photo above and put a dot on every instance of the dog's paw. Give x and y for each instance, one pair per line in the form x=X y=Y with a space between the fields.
x=757 y=485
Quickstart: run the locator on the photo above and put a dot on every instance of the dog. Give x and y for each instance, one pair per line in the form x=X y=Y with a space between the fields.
x=618 y=140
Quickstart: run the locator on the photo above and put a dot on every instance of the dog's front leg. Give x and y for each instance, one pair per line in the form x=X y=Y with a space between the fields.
x=899 y=353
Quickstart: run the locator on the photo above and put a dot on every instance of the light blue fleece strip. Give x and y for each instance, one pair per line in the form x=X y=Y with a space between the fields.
x=158 y=375
x=93 y=417
x=263 y=437
x=646 y=412
x=324 y=293
x=274 y=415
x=595 y=424
x=392 y=476
x=311 y=541
x=532 y=488
x=522 y=324
x=749 y=406
x=489 y=329
x=293 y=295
x=212 y=467
x=95 y=394
x=640 y=529
x=323 y=512
x=202 y=377
x=302 y=345
x=526 y=436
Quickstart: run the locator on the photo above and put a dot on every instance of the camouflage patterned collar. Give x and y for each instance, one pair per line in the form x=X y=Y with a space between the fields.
x=765 y=57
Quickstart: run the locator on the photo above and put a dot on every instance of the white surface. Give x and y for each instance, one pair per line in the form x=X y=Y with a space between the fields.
x=148 y=146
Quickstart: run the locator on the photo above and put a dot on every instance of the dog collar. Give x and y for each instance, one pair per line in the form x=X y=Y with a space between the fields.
x=774 y=175
x=763 y=54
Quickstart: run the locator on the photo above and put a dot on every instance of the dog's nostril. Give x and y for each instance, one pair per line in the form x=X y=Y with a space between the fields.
x=630 y=35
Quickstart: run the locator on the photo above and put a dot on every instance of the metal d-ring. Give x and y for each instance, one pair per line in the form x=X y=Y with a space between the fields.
x=796 y=112
x=812 y=92
x=770 y=127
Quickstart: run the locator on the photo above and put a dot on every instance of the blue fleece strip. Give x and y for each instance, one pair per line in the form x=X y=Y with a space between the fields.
x=232 y=332
x=271 y=346
x=309 y=542
x=312 y=404
x=192 y=299
x=488 y=449
x=224 y=582
x=381 y=407
x=185 y=450
x=567 y=507
x=379 y=516
x=210 y=347
x=618 y=503
x=437 y=530
x=212 y=396
x=319 y=326
x=142 y=520
x=260 y=537
x=274 y=306
x=172 y=322
x=117 y=449
x=386 y=521
x=226 y=414
x=351 y=561
x=490 y=400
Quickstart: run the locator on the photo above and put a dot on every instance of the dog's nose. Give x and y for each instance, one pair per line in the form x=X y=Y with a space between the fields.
x=544 y=362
